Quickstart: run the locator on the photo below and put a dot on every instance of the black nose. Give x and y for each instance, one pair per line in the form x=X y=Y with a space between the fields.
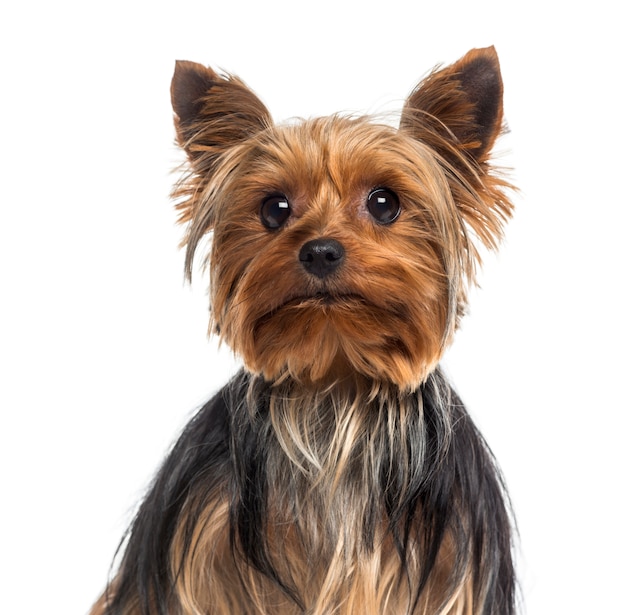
x=321 y=256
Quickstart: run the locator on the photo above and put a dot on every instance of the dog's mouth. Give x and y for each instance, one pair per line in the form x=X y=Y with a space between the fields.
x=322 y=299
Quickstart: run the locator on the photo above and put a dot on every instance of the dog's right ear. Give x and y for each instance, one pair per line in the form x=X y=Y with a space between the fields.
x=213 y=112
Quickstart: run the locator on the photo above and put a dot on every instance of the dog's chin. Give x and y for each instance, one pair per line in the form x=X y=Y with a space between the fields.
x=325 y=338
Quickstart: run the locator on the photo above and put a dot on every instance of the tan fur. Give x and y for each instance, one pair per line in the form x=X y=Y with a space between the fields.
x=345 y=354
x=308 y=162
x=323 y=557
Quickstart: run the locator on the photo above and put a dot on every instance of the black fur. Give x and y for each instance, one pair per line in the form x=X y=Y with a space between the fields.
x=450 y=473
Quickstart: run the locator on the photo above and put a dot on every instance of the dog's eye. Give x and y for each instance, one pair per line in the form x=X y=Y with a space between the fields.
x=275 y=210
x=384 y=205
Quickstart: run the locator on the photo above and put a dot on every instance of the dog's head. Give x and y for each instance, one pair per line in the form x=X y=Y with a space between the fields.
x=341 y=246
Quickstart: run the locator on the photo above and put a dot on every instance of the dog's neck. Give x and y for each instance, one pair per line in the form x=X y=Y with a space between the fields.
x=337 y=474
x=327 y=430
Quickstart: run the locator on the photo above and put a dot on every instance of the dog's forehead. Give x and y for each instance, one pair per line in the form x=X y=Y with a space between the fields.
x=343 y=150
x=336 y=134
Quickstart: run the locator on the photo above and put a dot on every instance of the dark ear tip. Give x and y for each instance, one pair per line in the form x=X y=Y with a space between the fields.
x=190 y=83
x=479 y=73
x=482 y=64
x=182 y=68
x=486 y=54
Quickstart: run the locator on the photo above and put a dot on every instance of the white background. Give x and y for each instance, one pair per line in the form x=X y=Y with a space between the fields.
x=102 y=346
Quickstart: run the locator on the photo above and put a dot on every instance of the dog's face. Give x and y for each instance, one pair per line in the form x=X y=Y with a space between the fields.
x=330 y=251
x=341 y=246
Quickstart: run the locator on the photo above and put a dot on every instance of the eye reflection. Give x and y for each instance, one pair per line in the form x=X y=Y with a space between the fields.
x=275 y=210
x=383 y=205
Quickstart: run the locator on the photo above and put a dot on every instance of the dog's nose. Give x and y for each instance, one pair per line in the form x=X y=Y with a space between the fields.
x=322 y=256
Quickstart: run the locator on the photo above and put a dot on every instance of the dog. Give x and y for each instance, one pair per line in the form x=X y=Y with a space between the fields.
x=338 y=472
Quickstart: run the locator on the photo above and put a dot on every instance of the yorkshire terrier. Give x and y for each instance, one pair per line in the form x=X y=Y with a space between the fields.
x=338 y=472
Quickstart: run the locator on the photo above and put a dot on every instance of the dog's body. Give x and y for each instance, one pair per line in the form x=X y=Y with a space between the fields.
x=338 y=473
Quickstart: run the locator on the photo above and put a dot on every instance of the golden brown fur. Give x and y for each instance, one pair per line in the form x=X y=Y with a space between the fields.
x=447 y=197
x=340 y=474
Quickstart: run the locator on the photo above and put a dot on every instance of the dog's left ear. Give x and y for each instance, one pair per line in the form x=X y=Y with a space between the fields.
x=461 y=103
x=457 y=112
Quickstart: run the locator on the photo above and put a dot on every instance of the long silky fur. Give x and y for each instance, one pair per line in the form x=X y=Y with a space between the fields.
x=414 y=464
x=338 y=473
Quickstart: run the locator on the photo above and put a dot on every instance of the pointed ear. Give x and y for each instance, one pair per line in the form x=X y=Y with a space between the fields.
x=461 y=104
x=213 y=112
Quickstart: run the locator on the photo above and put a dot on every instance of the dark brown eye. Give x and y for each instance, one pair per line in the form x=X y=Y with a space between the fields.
x=384 y=205
x=275 y=210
